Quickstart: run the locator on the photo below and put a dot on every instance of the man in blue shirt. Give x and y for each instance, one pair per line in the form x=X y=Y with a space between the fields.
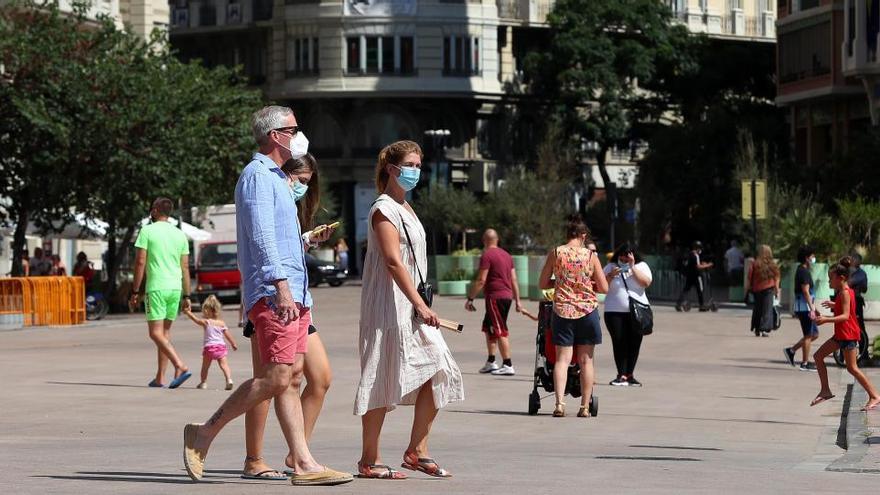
x=271 y=259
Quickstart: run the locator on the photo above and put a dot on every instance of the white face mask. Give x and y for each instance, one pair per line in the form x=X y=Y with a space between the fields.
x=299 y=145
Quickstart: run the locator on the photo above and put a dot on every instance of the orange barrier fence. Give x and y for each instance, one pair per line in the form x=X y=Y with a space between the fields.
x=42 y=301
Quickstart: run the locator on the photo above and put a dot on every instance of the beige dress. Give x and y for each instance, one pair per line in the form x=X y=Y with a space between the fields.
x=398 y=353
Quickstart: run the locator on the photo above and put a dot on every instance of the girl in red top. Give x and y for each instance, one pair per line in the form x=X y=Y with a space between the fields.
x=846 y=335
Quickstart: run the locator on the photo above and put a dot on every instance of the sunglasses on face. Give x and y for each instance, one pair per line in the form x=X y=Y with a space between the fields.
x=292 y=130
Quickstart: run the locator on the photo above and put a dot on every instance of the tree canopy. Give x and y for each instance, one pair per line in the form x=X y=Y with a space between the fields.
x=98 y=121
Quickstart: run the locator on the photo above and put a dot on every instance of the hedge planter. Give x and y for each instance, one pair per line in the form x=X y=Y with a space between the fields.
x=453 y=287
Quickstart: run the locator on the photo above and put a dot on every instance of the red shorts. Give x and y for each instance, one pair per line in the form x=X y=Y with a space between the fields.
x=279 y=343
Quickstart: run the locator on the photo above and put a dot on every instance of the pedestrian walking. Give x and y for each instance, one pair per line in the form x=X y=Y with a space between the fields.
x=763 y=283
x=497 y=279
x=302 y=176
x=846 y=335
x=271 y=259
x=162 y=255
x=84 y=268
x=404 y=358
x=216 y=334
x=628 y=277
x=734 y=263
x=804 y=309
x=575 y=272
x=693 y=272
x=340 y=251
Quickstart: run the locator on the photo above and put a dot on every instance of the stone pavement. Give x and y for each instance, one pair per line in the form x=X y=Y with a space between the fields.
x=721 y=412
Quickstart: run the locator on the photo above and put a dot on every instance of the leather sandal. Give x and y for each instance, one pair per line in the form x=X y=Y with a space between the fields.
x=426 y=465
x=379 y=472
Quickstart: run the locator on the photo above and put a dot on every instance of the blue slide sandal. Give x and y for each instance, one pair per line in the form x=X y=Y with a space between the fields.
x=180 y=379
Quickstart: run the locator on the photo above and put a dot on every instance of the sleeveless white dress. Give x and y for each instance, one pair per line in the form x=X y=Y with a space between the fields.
x=398 y=353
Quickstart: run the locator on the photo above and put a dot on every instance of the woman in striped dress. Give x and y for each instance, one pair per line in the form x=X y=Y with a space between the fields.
x=404 y=359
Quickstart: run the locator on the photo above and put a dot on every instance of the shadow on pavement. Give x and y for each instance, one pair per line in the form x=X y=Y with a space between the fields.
x=506 y=413
x=128 y=477
x=99 y=384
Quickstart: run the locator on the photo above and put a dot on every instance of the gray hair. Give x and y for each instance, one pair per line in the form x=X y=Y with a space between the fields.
x=268 y=118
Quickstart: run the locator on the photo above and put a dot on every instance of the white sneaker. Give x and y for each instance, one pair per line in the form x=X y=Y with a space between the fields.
x=489 y=367
x=505 y=371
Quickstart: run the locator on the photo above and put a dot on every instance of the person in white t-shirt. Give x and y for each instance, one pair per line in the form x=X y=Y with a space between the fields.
x=734 y=263
x=628 y=277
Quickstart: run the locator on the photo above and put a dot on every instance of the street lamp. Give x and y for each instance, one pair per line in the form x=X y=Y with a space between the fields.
x=438 y=143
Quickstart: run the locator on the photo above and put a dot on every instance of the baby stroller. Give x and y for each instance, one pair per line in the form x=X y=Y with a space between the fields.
x=545 y=358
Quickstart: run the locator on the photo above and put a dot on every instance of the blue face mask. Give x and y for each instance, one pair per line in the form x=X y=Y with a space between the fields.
x=298 y=189
x=409 y=177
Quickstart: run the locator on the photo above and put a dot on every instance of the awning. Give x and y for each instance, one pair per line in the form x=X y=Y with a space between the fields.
x=192 y=232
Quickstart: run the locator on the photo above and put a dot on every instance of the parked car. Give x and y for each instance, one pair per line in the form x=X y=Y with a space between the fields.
x=324 y=271
x=217 y=272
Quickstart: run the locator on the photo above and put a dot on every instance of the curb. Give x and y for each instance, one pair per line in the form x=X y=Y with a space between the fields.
x=859 y=435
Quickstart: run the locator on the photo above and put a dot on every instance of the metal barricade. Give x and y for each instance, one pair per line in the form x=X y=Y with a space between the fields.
x=37 y=301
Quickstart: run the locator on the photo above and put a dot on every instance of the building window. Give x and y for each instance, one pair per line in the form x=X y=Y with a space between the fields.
x=461 y=56
x=302 y=56
x=805 y=53
x=808 y=4
x=380 y=55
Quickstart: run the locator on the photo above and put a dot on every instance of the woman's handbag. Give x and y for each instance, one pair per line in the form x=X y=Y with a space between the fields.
x=641 y=313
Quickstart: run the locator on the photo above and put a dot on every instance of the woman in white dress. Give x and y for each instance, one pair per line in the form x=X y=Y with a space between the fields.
x=404 y=359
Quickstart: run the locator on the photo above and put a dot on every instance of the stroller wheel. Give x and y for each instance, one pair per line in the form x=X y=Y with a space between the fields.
x=534 y=403
x=594 y=406
x=713 y=307
x=686 y=306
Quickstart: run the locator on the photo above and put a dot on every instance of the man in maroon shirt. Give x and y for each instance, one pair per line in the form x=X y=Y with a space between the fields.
x=497 y=279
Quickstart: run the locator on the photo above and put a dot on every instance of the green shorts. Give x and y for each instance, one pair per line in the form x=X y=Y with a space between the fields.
x=162 y=305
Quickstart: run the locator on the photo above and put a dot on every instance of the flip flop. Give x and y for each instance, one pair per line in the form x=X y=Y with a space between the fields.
x=153 y=384
x=265 y=475
x=180 y=379
x=870 y=407
x=819 y=399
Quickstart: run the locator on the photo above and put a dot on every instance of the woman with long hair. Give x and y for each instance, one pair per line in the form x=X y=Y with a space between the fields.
x=763 y=282
x=404 y=359
x=576 y=325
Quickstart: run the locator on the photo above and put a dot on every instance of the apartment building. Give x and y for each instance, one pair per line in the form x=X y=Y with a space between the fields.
x=828 y=73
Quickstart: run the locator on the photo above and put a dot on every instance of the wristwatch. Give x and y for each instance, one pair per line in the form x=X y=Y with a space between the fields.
x=135 y=293
x=470 y=299
x=187 y=297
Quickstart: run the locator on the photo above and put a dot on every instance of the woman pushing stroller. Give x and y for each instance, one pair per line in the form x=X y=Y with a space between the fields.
x=575 y=325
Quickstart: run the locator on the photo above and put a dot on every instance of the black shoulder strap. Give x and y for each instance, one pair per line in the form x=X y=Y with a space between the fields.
x=410 y=244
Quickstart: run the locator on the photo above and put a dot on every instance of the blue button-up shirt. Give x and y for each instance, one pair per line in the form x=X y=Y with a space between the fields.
x=269 y=239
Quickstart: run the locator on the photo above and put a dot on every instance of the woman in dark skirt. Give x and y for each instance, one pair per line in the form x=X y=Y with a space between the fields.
x=763 y=283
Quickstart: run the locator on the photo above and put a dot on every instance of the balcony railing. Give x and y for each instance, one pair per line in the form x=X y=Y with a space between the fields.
x=527 y=11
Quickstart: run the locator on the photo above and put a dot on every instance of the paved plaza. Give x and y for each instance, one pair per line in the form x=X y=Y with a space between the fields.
x=720 y=412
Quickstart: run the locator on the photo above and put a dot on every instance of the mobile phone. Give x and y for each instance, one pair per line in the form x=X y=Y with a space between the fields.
x=322 y=228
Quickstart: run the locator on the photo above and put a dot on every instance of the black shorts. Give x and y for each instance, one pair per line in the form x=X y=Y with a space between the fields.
x=495 y=320
x=585 y=330
x=847 y=344
x=312 y=329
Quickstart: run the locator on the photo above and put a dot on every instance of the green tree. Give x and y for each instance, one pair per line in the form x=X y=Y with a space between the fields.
x=604 y=71
x=447 y=211
x=123 y=120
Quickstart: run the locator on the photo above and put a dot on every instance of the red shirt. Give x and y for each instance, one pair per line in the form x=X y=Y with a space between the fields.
x=849 y=329
x=499 y=281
